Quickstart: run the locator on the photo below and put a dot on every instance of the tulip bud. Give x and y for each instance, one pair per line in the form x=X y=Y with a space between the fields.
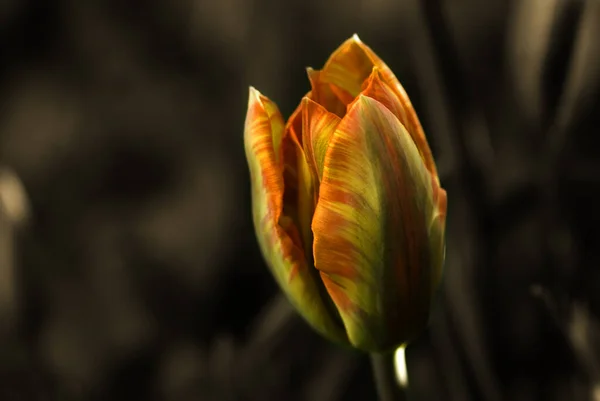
x=347 y=204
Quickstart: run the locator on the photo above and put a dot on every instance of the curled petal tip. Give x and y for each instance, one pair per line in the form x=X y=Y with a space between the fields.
x=356 y=38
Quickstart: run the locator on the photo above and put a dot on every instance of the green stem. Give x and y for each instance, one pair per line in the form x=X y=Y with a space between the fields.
x=384 y=373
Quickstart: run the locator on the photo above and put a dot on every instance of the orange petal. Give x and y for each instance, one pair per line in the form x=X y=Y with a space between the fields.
x=377 y=88
x=277 y=234
x=413 y=125
x=263 y=134
x=347 y=69
x=293 y=127
x=306 y=182
x=323 y=94
x=318 y=126
x=371 y=228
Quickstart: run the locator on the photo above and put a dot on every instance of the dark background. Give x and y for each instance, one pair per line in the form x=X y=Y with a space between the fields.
x=128 y=264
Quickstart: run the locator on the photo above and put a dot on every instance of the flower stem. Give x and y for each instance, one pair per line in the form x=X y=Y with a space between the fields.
x=384 y=373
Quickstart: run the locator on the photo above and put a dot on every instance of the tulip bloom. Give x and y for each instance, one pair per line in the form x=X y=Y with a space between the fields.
x=347 y=204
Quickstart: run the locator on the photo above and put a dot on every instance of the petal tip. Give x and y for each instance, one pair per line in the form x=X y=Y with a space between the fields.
x=310 y=72
x=356 y=39
x=374 y=78
x=253 y=95
x=364 y=99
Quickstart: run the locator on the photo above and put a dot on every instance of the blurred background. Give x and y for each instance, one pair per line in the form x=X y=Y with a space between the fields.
x=128 y=263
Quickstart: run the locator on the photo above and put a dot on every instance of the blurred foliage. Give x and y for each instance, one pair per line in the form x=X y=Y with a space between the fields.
x=128 y=263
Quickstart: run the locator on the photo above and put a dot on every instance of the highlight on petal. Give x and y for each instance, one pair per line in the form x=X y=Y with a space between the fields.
x=278 y=236
x=318 y=126
x=376 y=264
x=350 y=65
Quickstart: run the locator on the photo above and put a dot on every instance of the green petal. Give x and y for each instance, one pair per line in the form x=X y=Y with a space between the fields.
x=437 y=231
x=371 y=228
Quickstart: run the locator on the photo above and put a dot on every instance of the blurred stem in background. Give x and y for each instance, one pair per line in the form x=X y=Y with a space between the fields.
x=388 y=371
x=14 y=213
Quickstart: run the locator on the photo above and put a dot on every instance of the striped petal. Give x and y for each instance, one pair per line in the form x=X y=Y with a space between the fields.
x=278 y=236
x=351 y=65
x=378 y=89
x=323 y=94
x=318 y=126
x=346 y=69
x=371 y=228
x=304 y=198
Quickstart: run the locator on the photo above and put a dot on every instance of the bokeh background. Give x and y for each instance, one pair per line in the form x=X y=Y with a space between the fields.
x=129 y=269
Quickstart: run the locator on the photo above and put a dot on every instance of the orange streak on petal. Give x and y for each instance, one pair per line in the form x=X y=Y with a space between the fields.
x=378 y=89
x=346 y=69
x=323 y=93
x=413 y=125
x=262 y=137
x=266 y=149
x=343 y=95
x=293 y=127
x=338 y=294
x=439 y=198
x=269 y=156
x=371 y=223
x=318 y=126
x=350 y=65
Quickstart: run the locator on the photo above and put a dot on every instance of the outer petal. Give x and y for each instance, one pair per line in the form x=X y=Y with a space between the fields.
x=349 y=67
x=277 y=234
x=371 y=228
x=377 y=88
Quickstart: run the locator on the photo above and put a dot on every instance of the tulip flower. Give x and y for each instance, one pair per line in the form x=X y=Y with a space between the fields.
x=347 y=204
